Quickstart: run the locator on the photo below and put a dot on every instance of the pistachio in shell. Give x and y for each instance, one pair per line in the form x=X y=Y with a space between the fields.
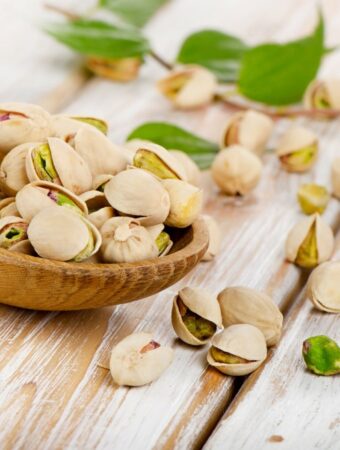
x=191 y=169
x=8 y=207
x=321 y=355
x=313 y=198
x=323 y=288
x=122 y=69
x=196 y=315
x=214 y=238
x=245 y=305
x=13 y=174
x=99 y=209
x=310 y=242
x=63 y=235
x=100 y=181
x=65 y=127
x=138 y=360
x=161 y=238
x=95 y=122
x=13 y=233
x=238 y=350
x=323 y=94
x=335 y=177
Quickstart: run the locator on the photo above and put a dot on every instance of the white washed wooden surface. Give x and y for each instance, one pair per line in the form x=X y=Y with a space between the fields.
x=53 y=394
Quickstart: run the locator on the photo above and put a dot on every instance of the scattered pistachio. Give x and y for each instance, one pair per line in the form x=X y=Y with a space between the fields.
x=323 y=94
x=313 y=198
x=323 y=287
x=214 y=238
x=321 y=355
x=125 y=69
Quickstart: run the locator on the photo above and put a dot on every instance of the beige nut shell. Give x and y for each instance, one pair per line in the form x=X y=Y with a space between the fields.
x=99 y=208
x=22 y=246
x=192 y=171
x=130 y=367
x=335 y=177
x=215 y=238
x=8 y=207
x=13 y=174
x=332 y=88
x=323 y=287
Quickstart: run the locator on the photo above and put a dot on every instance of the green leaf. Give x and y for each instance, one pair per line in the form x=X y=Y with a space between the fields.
x=101 y=39
x=173 y=137
x=218 y=52
x=135 y=12
x=278 y=74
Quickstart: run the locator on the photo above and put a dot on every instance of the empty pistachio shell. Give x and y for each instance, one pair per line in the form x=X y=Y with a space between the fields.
x=335 y=177
x=61 y=234
x=238 y=350
x=137 y=193
x=189 y=87
x=98 y=207
x=195 y=315
x=8 y=207
x=323 y=287
x=39 y=195
x=313 y=198
x=249 y=129
x=57 y=162
x=125 y=240
x=21 y=123
x=214 y=238
x=13 y=232
x=310 y=242
x=321 y=355
x=139 y=360
x=236 y=170
x=298 y=149
x=244 y=305
x=323 y=94
x=192 y=171
x=13 y=174
x=185 y=203
x=124 y=69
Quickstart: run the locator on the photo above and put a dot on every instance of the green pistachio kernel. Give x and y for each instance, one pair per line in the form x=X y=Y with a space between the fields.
x=43 y=164
x=313 y=198
x=226 y=358
x=302 y=159
x=321 y=98
x=199 y=327
x=321 y=355
x=12 y=234
x=162 y=241
x=307 y=255
x=144 y=159
x=87 y=251
x=100 y=124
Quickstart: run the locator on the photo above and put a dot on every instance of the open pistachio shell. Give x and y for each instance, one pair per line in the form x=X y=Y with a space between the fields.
x=185 y=203
x=214 y=238
x=323 y=287
x=61 y=234
x=65 y=127
x=249 y=129
x=323 y=94
x=99 y=208
x=335 y=177
x=123 y=69
x=192 y=171
x=95 y=122
x=100 y=181
x=196 y=315
x=139 y=360
x=13 y=174
x=244 y=305
x=8 y=207
x=313 y=198
x=161 y=238
x=36 y=196
x=137 y=193
x=310 y=242
x=297 y=149
x=21 y=123
x=13 y=231
x=238 y=350
x=236 y=170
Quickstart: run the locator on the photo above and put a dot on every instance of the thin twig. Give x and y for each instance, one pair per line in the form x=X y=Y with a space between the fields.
x=161 y=61
x=68 y=14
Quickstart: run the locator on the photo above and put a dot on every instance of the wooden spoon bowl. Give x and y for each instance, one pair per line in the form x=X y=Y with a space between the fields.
x=36 y=283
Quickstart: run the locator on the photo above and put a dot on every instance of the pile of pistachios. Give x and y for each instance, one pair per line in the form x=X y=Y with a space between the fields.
x=70 y=194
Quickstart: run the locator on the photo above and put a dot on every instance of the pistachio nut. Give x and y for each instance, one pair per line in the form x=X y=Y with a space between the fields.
x=162 y=239
x=214 y=238
x=100 y=181
x=65 y=128
x=8 y=207
x=244 y=305
x=95 y=122
x=191 y=169
x=99 y=210
x=125 y=240
x=124 y=69
x=297 y=149
x=195 y=316
x=250 y=129
x=57 y=162
x=63 y=235
x=36 y=196
x=185 y=203
x=323 y=287
x=335 y=177
x=238 y=350
x=13 y=174
x=236 y=170
x=138 y=360
x=323 y=94
x=189 y=87
x=13 y=233
x=313 y=198
x=137 y=193
x=321 y=355
x=21 y=123
x=310 y=242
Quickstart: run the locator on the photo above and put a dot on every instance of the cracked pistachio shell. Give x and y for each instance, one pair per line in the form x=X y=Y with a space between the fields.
x=64 y=166
x=13 y=235
x=242 y=341
x=195 y=316
x=36 y=196
x=192 y=171
x=99 y=208
x=125 y=240
x=215 y=238
x=61 y=234
x=185 y=203
x=137 y=193
x=310 y=242
x=244 y=305
x=123 y=69
x=100 y=181
x=138 y=360
x=323 y=94
x=323 y=287
x=65 y=128
x=335 y=177
x=189 y=87
x=321 y=355
x=8 y=207
x=162 y=239
x=21 y=123
x=249 y=129
x=236 y=170
x=13 y=174
x=101 y=155
x=313 y=198
x=297 y=149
